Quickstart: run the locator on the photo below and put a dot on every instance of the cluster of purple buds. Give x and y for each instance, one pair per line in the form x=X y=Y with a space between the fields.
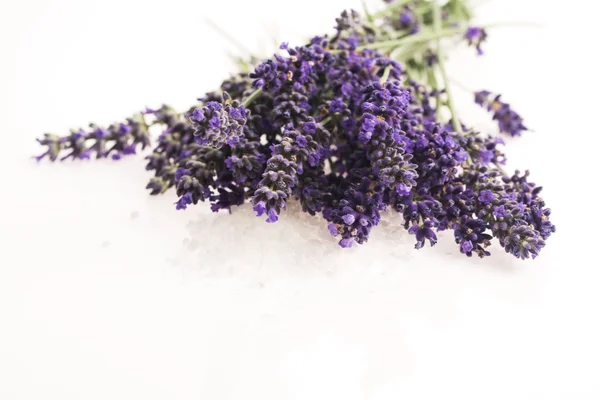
x=117 y=140
x=508 y=120
x=346 y=130
x=219 y=123
x=408 y=20
x=475 y=37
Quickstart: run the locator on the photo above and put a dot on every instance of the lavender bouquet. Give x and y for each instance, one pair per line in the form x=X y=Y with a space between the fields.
x=349 y=125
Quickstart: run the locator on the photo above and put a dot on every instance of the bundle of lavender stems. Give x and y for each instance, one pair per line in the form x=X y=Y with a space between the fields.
x=349 y=125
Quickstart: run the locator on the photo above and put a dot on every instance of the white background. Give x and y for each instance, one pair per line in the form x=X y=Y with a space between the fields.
x=107 y=293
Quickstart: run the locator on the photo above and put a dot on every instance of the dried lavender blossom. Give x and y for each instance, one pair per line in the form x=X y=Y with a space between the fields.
x=475 y=36
x=117 y=140
x=219 y=123
x=508 y=120
x=344 y=125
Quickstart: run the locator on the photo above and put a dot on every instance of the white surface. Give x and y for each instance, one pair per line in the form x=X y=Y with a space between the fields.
x=107 y=293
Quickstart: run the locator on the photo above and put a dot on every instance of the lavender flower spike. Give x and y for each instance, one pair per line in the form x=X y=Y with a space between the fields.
x=475 y=37
x=508 y=120
x=217 y=124
x=120 y=138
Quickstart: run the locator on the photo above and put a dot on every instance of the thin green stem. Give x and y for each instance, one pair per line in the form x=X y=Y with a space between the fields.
x=437 y=23
x=432 y=80
x=252 y=97
x=386 y=74
x=461 y=86
x=395 y=53
x=326 y=120
x=423 y=37
x=227 y=36
x=366 y=11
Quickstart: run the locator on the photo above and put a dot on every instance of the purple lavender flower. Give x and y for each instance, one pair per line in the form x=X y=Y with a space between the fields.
x=123 y=139
x=246 y=162
x=475 y=36
x=470 y=235
x=226 y=196
x=199 y=174
x=499 y=211
x=523 y=242
x=407 y=21
x=218 y=124
x=287 y=162
x=508 y=120
x=526 y=195
x=346 y=131
x=184 y=201
x=351 y=31
x=358 y=210
x=481 y=149
x=380 y=130
x=423 y=231
x=486 y=196
x=314 y=189
x=261 y=209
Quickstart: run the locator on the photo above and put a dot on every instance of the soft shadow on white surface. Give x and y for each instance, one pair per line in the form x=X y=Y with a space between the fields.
x=243 y=245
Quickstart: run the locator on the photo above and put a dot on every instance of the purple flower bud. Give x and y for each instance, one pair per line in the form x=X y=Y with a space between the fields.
x=347 y=242
x=336 y=106
x=184 y=201
x=310 y=127
x=486 y=196
x=486 y=156
x=475 y=36
x=508 y=120
x=180 y=173
x=333 y=229
x=402 y=189
x=301 y=140
x=260 y=208
x=101 y=133
x=466 y=246
x=198 y=114
x=499 y=212
x=348 y=219
x=272 y=216
x=124 y=129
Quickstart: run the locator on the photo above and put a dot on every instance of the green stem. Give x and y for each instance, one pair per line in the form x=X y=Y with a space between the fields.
x=252 y=97
x=326 y=120
x=461 y=86
x=423 y=37
x=437 y=23
x=366 y=11
x=224 y=34
x=386 y=74
x=432 y=80
x=395 y=53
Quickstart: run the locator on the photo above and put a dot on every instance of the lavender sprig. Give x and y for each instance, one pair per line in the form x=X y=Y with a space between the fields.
x=117 y=140
x=348 y=130
x=508 y=120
